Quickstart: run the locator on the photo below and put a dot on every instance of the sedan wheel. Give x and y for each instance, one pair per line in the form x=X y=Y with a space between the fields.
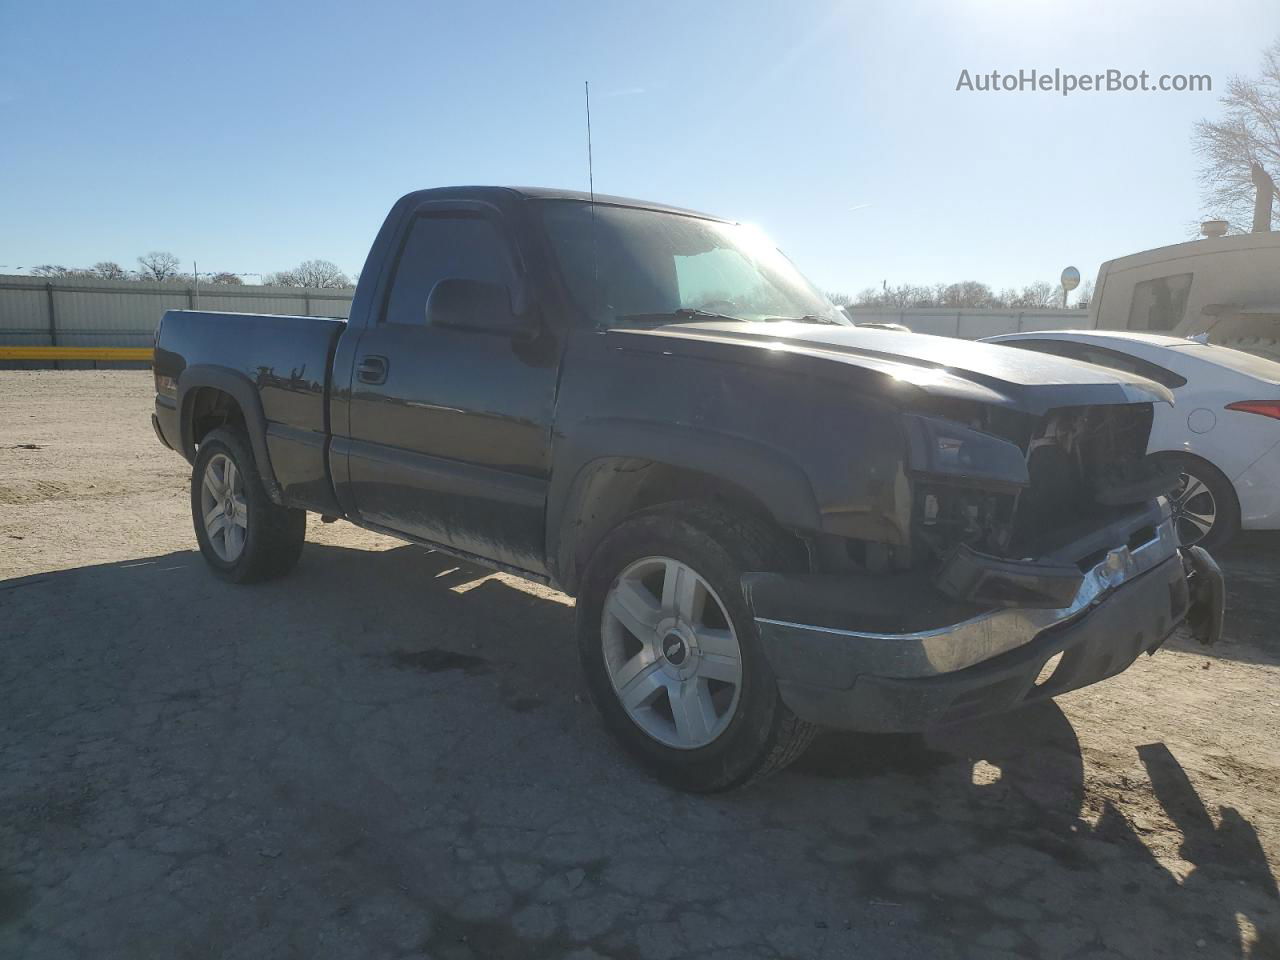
x=1195 y=510
x=671 y=653
x=224 y=507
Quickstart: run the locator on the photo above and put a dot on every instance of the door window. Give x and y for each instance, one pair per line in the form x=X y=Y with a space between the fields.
x=441 y=247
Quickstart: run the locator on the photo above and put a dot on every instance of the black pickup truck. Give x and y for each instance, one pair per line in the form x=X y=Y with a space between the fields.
x=772 y=520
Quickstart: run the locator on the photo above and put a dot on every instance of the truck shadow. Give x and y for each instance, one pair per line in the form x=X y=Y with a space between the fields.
x=1251 y=565
x=987 y=826
x=1027 y=829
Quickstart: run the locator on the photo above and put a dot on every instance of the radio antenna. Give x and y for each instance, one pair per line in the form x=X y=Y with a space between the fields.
x=591 y=187
x=591 y=177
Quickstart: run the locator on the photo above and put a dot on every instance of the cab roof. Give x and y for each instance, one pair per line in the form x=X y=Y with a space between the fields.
x=479 y=192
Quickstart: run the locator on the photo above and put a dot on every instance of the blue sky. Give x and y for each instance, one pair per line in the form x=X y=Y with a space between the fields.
x=250 y=136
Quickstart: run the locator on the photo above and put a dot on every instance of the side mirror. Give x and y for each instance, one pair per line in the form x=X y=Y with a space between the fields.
x=474 y=305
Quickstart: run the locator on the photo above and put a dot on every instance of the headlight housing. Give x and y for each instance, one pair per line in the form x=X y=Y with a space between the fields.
x=949 y=452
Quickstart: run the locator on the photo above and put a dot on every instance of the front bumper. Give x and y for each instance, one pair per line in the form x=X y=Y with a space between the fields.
x=990 y=661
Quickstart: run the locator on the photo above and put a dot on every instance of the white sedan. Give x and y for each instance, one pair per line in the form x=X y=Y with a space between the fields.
x=1223 y=432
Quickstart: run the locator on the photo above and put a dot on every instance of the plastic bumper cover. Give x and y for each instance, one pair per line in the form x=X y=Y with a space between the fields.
x=1128 y=603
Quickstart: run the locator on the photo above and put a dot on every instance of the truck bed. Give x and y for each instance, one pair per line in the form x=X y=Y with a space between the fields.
x=278 y=364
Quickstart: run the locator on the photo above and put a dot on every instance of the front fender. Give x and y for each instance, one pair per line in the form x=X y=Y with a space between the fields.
x=578 y=480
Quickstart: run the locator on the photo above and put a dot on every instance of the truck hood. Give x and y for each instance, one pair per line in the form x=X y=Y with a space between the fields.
x=939 y=366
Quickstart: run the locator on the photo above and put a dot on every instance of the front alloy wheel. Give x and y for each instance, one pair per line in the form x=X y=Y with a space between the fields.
x=670 y=649
x=671 y=652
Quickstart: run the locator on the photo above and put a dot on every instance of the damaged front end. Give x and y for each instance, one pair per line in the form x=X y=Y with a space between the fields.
x=1041 y=558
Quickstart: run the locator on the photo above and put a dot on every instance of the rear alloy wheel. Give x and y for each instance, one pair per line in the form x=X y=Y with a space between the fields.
x=1206 y=512
x=244 y=536
x=223 y=507
x=671 y=652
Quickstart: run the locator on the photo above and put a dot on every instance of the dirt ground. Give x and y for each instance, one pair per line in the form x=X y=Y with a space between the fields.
x=390 y=755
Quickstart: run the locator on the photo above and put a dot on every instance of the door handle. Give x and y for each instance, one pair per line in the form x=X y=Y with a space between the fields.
x=372 y=369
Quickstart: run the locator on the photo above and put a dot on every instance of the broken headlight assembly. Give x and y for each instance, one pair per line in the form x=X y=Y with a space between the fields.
x=951 y=453
x=966 y=486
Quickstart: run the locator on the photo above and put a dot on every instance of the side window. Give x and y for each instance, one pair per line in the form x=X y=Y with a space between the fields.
x=1159 y=304
x=440 y=247
x=1122 y=361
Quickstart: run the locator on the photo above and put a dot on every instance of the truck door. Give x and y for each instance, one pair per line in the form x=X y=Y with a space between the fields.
x=449 y=430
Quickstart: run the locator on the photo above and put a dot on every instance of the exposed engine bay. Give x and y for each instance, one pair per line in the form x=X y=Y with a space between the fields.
x=1084 y=466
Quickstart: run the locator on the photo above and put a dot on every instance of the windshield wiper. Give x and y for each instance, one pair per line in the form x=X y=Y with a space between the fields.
x=683 y=313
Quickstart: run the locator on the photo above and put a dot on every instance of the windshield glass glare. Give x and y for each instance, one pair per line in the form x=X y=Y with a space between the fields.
x=634 y=266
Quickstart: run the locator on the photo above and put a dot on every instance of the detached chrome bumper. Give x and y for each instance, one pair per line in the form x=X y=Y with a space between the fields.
x=1128 y=602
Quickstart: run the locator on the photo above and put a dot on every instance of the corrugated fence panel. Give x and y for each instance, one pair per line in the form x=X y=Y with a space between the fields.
x=973 y=324
x=939 y=324
x=326 y=307
x=972 y=327
x=291 y=306
x=24 y=315
x=124 y=313
x=87 y=315
x=1056 y=321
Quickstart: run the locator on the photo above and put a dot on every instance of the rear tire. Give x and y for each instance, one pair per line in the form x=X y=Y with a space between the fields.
x=244 y=537
x=743 y=731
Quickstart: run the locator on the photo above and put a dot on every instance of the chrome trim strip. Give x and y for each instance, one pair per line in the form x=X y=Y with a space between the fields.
x=946 y=649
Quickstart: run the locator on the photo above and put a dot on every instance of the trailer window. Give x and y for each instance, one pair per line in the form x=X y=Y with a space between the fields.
x=1159 y=304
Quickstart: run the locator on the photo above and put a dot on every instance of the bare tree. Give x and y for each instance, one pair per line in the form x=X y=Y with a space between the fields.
x=1248 y=134
x=1085 y=296
x=967 y=294
x=310 y=273
x=903 y=295
x=58 y=270
x=110 y=270
x=158 y=265
x=1034 y=296
x=229 y=279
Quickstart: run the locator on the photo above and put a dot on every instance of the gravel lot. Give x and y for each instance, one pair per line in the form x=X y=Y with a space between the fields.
x=390 y=755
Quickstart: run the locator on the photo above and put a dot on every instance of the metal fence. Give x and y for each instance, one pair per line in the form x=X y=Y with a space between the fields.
x=39 y=312
x=972 y=324
x=35 y=311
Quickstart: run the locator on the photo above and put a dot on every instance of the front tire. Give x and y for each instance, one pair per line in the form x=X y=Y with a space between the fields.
x=243 y=536
x=670 y=650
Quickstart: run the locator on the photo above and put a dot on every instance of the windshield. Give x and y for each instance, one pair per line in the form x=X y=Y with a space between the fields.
x=644 y=266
